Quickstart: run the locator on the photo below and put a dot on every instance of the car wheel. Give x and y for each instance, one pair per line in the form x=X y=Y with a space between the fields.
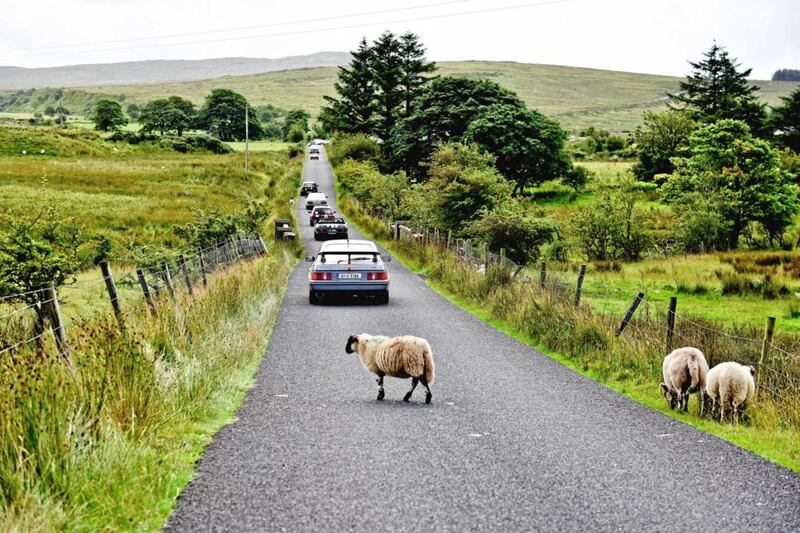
x=314 y=297
x=383 y=298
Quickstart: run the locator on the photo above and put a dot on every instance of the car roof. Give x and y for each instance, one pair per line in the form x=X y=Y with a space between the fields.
x=309 y=183
x=342 y=245
x=321 y=208
x=317 y=195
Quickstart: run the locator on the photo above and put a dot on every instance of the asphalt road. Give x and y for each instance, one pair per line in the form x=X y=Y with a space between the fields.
x=512 y=440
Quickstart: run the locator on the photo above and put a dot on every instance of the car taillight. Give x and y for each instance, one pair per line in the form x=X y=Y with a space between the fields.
x=321 y=276
x=377 y=276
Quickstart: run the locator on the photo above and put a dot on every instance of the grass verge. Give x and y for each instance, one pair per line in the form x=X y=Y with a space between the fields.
x=112 y=445
x=582 y=339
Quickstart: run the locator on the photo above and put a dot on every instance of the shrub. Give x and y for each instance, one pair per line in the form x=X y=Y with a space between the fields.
x=607 y=266
x=358 y=147
x=507 y=226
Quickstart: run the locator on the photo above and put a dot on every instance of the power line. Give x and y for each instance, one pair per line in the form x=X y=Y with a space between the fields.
x=242 y=28
x=317 y=30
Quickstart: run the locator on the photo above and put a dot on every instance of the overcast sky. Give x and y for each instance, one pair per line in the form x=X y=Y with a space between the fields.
x=631 y=35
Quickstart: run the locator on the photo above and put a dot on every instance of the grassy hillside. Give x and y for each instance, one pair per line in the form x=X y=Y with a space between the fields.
x=578 y=97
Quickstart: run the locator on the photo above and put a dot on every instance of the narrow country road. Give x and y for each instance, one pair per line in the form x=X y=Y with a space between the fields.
x=513 y=441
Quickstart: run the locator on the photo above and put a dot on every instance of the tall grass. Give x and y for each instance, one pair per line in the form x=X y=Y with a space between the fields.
x=110 y=446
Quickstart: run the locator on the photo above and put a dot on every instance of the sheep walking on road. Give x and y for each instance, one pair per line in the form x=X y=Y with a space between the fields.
x=684 y=372
x=397 y=357
x=730 y=385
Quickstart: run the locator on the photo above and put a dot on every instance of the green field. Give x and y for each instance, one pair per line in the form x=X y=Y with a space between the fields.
x=577 y=97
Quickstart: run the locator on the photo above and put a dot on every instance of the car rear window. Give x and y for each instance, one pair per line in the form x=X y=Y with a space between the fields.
x=352 y=258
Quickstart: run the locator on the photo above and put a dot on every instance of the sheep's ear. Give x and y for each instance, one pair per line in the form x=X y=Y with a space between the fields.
x=752 y=371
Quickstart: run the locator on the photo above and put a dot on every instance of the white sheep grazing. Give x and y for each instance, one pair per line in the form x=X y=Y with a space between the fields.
x=684 y=372
x=397 y=357
x=730 y=384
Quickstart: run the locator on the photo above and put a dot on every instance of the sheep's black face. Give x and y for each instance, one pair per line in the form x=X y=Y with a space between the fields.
x=350 y=342
x=670 y=395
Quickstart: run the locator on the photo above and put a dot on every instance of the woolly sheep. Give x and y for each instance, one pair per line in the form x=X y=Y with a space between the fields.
x=730 y=384
x=397 y=357
x=684 y=372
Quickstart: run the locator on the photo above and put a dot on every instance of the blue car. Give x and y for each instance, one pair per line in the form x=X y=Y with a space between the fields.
x=348 y=267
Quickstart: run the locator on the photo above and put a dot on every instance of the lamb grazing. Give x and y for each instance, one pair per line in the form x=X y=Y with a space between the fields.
x=684 y=372
x=397 y=357
x=730 y=385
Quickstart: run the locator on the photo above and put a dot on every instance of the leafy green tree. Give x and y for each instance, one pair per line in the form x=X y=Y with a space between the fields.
x=785 y=121
x=168 y=114
x=296 y=120
x=528 y=147
x=108 y=115
x=223 y=114
x=353 y=111
x=442 y=113
x=743 y=174
x=510 y=227
x=717 y=90
x=34 y=251
x=658 y=140
x=133 y=111
x=358 y=147
x=50 y=111
x=462 y=185
x=577 y=178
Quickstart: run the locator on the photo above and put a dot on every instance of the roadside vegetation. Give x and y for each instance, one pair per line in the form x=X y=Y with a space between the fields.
x=699 y=202
x=105 y=434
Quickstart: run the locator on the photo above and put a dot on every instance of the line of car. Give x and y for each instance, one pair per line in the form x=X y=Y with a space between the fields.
x=342 y=266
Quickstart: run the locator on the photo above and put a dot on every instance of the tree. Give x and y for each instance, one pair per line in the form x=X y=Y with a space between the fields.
x=528 y=147
x=133 y=111
x=354 y=109
x=296 y=120
x=387 y=69
x=34 y=251
x=742 y=174
x=107 y=115
x=658 y=140
x=49 y=111
x=168 y=114
x=786 y=74
x=223 y=114
x=510 y=227
x=717 y=90
x=415 y=69
x=441 y=114
x=462 y=185
x=785 y=121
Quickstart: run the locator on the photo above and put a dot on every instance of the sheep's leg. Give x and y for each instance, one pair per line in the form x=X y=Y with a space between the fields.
x=414 y=382
x=381 y=392
x=428 y=394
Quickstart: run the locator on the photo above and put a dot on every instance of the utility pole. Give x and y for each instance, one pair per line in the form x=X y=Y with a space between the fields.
x=246 y=138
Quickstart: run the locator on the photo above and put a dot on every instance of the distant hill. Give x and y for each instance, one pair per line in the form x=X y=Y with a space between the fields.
x=577 y=97
x=143 y=72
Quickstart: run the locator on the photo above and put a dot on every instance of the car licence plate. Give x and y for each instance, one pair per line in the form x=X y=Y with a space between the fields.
x=349 y=275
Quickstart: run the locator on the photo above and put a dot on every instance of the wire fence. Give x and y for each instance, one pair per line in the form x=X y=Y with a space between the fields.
x=34 y=318
x=651 y=326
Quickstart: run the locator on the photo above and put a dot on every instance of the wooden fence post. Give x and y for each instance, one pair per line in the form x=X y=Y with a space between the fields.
x=764 y=358
x=542 y=274
x=629 y=313
x=579 y=285
x=146 y=290
x=185 y=272
x=57 y=325
x=485 y=260
x=449 y=238
x=673 y=306
x=203 y=268
x=111 y=287
x=168 y=279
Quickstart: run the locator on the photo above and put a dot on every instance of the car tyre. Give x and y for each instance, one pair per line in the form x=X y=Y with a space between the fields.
x=315 y=297
x=383 y=298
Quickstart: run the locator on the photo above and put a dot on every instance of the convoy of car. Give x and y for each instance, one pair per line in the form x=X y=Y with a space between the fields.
x=348 y=267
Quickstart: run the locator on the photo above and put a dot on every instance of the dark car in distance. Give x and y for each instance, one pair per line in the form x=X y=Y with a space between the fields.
x=330 y=229
x=308 y=187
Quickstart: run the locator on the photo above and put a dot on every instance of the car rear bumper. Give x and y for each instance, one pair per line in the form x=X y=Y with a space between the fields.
x=335 y=286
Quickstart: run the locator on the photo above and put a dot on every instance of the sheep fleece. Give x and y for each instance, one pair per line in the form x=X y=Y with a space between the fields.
x=398 y=357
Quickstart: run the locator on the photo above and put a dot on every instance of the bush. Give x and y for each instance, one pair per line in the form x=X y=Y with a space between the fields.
x=577 y=178
x=358 y=147
x=508 y=227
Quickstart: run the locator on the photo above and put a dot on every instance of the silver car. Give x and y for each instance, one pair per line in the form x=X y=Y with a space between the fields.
x=348 y=267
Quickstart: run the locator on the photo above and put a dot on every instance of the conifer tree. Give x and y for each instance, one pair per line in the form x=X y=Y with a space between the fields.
x=717 y=90
x=416 y=69
x=354 y=109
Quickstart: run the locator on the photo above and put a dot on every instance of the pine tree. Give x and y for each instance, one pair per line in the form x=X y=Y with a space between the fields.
x=387 y=67
x=717 y=90
x=354 y=109
x=415 y=69
x=785 y=121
